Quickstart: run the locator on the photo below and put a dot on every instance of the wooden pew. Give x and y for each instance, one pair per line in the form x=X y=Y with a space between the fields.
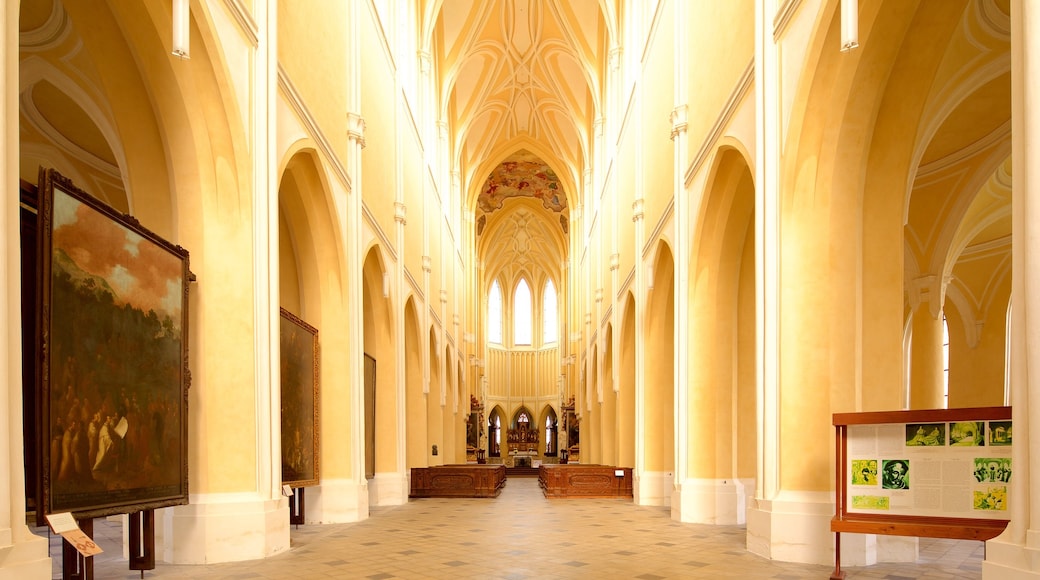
x=585 y=480
x=463 y=480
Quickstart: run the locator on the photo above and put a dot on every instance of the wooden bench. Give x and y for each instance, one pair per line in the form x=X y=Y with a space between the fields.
x=585 y=480
x=463 y=480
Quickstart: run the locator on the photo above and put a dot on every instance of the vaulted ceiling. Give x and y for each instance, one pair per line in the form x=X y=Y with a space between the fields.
x=521 y=74
x=521 y=83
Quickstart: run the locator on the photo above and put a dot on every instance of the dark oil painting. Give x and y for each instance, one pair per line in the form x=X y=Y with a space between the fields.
x=114 y=376
x=300 y=410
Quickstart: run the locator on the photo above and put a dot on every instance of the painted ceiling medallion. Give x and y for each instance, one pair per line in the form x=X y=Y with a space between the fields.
x=522 y=175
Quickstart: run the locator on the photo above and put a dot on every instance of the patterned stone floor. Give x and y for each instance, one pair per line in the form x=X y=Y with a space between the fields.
x=521 y=535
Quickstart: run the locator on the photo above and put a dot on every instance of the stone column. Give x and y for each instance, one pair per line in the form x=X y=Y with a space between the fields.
x=22 y=554
x=1015 y=554
x=926 y=345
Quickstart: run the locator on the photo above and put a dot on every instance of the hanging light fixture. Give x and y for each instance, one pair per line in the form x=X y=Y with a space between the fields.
x=849 y=25
x=181 y=35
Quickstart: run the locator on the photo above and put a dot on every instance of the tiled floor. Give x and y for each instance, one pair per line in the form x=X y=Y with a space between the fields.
x=522 y=535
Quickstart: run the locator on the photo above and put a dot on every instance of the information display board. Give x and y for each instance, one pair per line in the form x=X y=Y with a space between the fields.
x=949 y=469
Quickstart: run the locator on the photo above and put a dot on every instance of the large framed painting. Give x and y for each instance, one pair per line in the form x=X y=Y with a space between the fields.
x=113 y=378
x=300 y=401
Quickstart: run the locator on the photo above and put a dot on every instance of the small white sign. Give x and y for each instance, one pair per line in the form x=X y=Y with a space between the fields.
x=287 y=491
x=65 y=525
x=619 y=472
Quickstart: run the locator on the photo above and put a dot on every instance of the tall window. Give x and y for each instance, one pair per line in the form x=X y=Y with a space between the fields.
x=495 y=313
x=522 y=313
x=550 y=326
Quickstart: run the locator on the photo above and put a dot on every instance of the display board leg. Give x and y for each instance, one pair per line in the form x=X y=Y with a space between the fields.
x=296 y=507
x=142 y=540
x=75 y=566
x=837 y=574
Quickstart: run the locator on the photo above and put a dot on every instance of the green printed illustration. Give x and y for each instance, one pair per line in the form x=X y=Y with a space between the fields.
x=864 y=472
x=870 y=502
x=968 y=433
x=992 y=498
x=1000 y=433
x=925 y=434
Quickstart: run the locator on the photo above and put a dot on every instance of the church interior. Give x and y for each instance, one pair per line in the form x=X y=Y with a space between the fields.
x=683 y=240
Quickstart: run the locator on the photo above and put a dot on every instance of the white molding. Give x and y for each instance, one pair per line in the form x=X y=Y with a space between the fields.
x=736 y=96
x=416 y=288
x=295 y=100
x=783 y=17
x=657 y=232
x=384 y=240
x=241 y=16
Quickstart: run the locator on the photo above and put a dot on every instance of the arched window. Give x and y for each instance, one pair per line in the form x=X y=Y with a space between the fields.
x=495 y=313
x=522 y=313
x=550 y=326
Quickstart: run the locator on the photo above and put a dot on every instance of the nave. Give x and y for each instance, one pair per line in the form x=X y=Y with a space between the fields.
x=522 y=535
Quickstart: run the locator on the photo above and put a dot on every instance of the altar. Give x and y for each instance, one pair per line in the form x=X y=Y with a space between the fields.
x=522 y=458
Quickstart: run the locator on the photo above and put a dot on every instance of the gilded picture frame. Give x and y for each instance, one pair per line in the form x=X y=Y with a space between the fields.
x=301 y=409
x=113 y=376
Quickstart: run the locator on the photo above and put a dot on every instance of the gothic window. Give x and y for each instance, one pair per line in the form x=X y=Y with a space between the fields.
x=522 y=314
x=495 y=313
x=550 y=324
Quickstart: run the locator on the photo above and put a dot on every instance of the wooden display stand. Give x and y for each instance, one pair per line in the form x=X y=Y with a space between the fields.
x=964 y=528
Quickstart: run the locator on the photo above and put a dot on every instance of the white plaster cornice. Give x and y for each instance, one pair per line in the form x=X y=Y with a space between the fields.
x=416 y=288
x=240 y=14
x=295 y=101
x=656 y=233
x=784 y=16
x=740 y=90
x=373 y=223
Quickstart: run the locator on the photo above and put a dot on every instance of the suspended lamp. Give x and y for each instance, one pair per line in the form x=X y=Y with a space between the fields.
x=181 y=36
x=849 y=25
